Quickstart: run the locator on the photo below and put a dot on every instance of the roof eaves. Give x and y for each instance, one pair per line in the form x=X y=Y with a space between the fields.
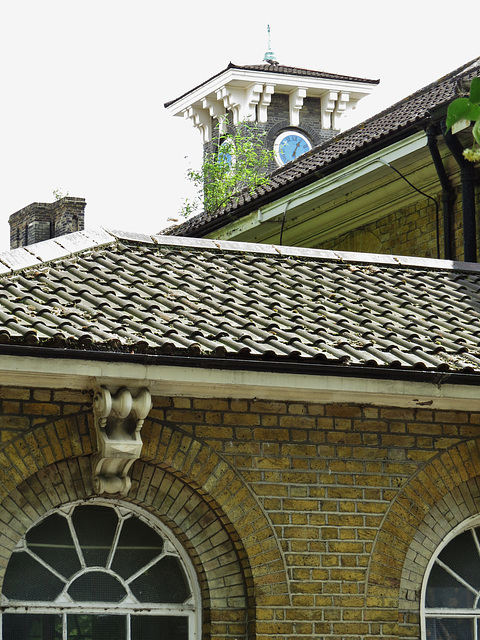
x=278 y=69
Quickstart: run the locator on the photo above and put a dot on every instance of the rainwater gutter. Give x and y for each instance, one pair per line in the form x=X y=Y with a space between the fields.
x=238 y=363
x=467 y=173
x=448 y=192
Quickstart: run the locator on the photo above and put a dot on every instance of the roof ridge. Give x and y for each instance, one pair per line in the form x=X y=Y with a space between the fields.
x=38 y=254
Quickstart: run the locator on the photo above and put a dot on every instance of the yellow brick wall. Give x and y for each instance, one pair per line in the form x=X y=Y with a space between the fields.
x=410 y=231
x=302 y=520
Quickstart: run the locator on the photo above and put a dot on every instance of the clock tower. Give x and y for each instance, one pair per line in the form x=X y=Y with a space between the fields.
x=296 y=108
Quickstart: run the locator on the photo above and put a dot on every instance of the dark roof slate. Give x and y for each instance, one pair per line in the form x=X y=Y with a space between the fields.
x=206 y=299
x=399 y=120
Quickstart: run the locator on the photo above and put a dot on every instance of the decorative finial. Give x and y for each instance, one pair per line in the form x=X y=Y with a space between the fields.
x=269 y=56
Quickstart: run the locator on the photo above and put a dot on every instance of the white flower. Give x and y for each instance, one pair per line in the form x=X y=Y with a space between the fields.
x=472 y=155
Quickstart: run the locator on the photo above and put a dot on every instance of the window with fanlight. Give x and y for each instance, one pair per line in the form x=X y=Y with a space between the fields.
x=99 y=571
x=451 y=591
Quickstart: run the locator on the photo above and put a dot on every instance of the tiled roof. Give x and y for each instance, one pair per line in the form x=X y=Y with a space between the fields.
x=396 y=122
x=202 y=298
x=279 y=69
x=295 y=71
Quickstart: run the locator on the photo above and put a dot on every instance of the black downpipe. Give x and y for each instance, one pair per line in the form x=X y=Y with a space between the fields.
x=448 y=193
x=467 y=173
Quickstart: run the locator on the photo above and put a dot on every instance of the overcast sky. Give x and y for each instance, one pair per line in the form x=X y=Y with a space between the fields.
x=83 y=85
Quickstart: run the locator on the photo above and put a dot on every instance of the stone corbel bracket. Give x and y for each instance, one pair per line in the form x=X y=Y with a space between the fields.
x=118 y=421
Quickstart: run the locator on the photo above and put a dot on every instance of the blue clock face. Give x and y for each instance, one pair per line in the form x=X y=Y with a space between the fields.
x=290 y=145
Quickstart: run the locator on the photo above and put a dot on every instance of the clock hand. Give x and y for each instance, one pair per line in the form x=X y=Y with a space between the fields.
x=295 y=150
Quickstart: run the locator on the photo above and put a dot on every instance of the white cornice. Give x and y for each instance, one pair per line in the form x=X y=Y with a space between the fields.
x=163 y=380
x=240 y=90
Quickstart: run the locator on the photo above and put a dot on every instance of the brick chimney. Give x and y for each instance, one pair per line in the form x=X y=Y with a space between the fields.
x=42 y=221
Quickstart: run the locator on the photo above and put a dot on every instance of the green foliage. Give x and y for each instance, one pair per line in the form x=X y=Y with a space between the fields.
x=467 y=109
x=239 y=162
x=58 y=194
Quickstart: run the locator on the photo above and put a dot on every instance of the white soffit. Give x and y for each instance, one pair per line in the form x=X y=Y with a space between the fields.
x=307 y=197
x=346 y=176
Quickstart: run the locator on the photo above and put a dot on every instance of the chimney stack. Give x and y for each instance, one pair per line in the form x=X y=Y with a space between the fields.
x=42 y=221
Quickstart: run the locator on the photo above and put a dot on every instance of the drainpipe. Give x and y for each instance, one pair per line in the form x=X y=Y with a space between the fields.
x=467 y=173
x=448 y=193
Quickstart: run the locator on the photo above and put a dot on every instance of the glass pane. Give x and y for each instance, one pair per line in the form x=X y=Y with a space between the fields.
x=164 y=582
x=138 y=545
x=31 y=627
x=99 y=627
x=52 y=541
x=445 y=591
x=461 y=555
x=96 y=586
x=95 y=527
x=159 y=628
x=27 y=579
x=449 y=629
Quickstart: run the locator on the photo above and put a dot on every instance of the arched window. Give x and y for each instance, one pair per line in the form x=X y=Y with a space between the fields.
x=99 y=571
x=451 y=591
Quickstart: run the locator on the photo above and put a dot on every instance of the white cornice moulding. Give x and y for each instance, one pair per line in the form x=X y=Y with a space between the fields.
x=181 y=381
x=241 y=90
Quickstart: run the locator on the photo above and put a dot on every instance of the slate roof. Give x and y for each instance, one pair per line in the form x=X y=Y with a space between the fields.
x=132 y=294
x=279 y=69
x=397 y=122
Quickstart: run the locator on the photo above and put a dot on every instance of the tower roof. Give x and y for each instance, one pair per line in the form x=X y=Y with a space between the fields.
x=267 y=67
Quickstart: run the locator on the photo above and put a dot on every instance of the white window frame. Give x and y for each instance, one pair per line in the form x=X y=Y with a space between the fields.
x=191 y=609
x=473 y=614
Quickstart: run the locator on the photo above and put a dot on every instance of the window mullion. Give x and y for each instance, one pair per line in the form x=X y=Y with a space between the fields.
x=76 y=542
x=115 y=542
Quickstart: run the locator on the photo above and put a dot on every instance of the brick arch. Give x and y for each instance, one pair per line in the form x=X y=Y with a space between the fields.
x=220 y=572
x=50 y=465
x=48 y=443
x=213 y=477
x=443 y=494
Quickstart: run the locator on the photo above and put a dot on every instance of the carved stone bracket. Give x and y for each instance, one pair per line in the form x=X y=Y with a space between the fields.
x=118 y=421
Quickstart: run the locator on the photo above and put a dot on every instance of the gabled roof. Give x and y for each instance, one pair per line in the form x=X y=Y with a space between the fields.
x=395 y=123
x=113 y=293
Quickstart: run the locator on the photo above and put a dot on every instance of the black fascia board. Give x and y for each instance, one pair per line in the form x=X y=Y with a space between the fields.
x=293 y=367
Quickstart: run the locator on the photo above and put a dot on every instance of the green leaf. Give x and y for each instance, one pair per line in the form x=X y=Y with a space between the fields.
x=476 y=131
x=462 y=109
x=475 y=91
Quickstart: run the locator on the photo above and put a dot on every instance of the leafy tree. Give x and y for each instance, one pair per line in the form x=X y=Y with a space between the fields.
x=468 y=109
x=239 y=161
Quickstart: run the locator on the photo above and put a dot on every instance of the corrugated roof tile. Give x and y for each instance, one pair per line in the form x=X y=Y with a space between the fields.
x=249 y=302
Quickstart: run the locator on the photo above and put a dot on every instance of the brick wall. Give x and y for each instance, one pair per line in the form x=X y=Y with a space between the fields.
x=302 y=520
x=408 y=231
x=42 y=220
x=279 y=120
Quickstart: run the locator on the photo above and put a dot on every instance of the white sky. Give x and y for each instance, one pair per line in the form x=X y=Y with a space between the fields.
x=84 y=84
